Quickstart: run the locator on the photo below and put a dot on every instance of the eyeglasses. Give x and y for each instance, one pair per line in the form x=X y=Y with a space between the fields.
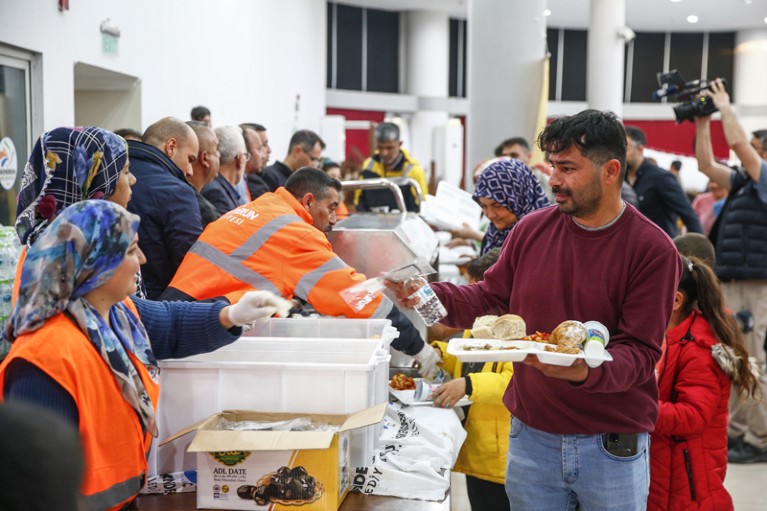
x=313 y=159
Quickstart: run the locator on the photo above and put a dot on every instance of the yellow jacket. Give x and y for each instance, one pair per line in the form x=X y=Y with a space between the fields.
x=372 y=168
x=483 y=454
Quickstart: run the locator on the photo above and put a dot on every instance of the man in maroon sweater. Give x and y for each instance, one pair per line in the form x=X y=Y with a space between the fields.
x=580 y=434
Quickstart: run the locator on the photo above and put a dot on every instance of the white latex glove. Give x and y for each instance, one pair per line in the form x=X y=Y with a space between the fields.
x=428 y=359
x=255 y=305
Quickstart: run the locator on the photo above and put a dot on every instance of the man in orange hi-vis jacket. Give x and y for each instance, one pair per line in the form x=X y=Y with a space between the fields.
x=278 y=243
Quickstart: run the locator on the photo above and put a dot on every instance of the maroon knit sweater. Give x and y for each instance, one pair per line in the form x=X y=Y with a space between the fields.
x=551 y=270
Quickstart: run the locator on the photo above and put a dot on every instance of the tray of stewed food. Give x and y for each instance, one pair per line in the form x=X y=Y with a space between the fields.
x=504 y=339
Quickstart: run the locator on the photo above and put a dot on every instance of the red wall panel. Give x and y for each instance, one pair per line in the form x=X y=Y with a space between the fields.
x=670 y=137
x=357 y=139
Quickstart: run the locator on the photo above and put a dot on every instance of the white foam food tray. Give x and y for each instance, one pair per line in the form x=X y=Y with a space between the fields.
x=521 y=349
x=564 y=359
x=407 y=397
x=499 y=350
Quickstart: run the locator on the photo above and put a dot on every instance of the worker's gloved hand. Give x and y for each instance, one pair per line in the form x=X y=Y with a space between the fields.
x=428 y=361
x=255 y=305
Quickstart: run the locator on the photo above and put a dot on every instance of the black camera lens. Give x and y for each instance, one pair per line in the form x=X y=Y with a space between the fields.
x=697 y=107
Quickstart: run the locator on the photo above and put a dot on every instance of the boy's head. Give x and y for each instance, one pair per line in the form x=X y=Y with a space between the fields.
x=694 y=244
x=475 y=270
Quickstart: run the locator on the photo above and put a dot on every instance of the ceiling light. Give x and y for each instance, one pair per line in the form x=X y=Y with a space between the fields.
x=765 y=20
x=547 y=12
x=676 y=1
x=692 y=18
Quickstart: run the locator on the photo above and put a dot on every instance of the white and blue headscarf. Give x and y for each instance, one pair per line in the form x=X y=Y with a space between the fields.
x=511 y=183
x=79 y=252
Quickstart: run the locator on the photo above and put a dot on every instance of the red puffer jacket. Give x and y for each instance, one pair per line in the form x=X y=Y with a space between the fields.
x=689 y=446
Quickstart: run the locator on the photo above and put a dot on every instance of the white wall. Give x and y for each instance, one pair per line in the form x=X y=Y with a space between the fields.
x=246 y=60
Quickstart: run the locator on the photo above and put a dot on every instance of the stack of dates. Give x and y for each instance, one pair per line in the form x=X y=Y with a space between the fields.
x=285 y=484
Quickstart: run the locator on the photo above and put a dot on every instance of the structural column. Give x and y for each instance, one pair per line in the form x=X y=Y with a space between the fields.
x=427 y=60
x=506 y=48
x=750 y=94
x=605 y=55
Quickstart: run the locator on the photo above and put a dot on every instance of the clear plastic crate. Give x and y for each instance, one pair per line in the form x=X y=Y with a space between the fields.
x=271 y=374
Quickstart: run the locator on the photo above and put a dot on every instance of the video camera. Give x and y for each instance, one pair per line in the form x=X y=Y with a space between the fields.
x=674 y=87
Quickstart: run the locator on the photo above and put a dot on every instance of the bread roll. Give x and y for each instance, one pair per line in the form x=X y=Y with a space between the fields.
x=483 y=327
x=568 y=333
x=509 y=326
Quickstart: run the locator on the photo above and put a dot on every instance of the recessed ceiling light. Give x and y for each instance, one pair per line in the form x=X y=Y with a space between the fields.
x=692 y=18
x=765 y=20
x=547 y=12
x=676 y=1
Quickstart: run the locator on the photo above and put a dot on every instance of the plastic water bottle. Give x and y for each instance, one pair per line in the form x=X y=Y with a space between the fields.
x=10 y=250
x=429 y=308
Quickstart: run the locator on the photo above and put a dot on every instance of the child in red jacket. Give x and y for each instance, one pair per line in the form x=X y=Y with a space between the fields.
x=703 y=355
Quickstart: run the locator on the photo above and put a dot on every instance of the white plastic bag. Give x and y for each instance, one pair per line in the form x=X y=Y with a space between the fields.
x=415 y=453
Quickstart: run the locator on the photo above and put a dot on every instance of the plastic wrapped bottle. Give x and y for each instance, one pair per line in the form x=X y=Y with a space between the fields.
x=10 y=249
x=429 y=308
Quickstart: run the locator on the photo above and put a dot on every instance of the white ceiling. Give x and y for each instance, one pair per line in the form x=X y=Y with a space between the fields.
x=641 y=15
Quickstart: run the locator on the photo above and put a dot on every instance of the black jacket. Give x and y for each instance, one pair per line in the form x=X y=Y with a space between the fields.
x=662 y=200
x=276 y=175
x=170 y=216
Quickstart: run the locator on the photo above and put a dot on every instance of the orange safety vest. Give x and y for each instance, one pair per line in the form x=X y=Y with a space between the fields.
x=114 y=443
x=270 y=244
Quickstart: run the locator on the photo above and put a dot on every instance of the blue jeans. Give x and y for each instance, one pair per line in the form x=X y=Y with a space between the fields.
x=549 y=472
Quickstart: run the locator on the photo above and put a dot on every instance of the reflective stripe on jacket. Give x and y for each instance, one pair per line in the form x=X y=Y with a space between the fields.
x=115 y=446
x=271 y=244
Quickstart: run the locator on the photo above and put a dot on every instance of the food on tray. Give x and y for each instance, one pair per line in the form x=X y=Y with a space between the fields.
x=569 y=333
x=538 y=336
x=508 y=326
x=487 y=347
x=563 y=348
x=286 y=486
x=401 y=381
x=483 y=327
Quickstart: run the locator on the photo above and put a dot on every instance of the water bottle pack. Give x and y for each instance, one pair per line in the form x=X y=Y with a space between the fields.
x=10 y=250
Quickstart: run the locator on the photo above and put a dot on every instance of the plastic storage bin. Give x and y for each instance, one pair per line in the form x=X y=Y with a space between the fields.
x=328 y=328
x=271 y=374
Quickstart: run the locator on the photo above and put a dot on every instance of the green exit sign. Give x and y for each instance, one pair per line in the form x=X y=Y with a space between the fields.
x=109 y=44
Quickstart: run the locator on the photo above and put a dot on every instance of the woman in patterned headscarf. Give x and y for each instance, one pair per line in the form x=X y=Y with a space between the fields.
x=506 y=190
x=86 y=344
x=81 y=349
x=68 y=165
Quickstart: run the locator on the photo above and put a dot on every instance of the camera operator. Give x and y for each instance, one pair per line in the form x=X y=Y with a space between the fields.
x=740 y=237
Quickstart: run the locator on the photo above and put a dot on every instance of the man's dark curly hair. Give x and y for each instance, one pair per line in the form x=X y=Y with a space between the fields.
x=599 y=136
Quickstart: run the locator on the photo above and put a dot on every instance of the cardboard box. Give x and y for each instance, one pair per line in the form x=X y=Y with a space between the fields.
x=232 y=465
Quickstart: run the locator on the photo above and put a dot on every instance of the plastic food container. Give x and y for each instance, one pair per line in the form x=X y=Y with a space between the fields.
x=265 y=374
